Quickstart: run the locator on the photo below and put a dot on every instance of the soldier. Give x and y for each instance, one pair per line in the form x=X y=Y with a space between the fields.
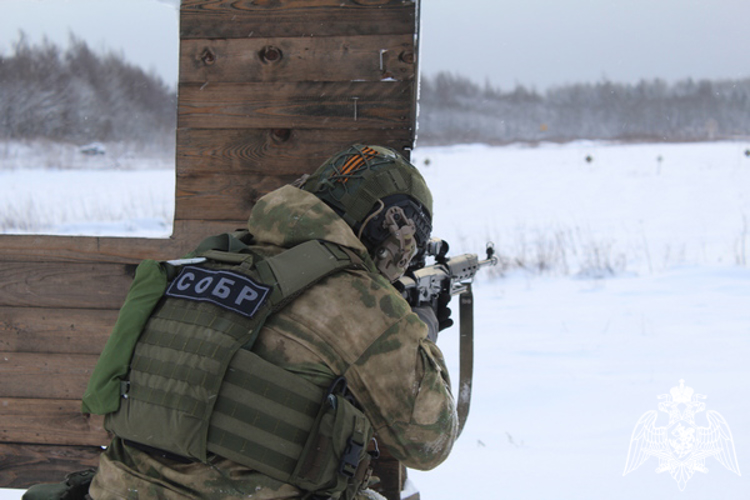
x=339 y=361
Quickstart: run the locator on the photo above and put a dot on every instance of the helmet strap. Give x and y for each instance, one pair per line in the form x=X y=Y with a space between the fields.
x=370 y=217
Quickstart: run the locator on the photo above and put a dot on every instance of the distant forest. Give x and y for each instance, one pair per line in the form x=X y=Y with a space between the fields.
x=454 y=109
x=80 y=96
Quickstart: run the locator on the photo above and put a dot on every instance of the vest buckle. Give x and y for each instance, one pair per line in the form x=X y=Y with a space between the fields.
x=350 y=458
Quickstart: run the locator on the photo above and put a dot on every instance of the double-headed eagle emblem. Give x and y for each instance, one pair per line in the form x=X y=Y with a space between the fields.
x=681 y=446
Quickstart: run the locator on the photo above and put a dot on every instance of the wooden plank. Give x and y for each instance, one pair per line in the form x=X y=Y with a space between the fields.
x=22 y=465
x=49 y=421
x=392 y=475
x=70 y=331
x=73 y=285
x=272 y=152
x=45 y=376
x=316 y=105
x=228 y=196
x=67 y=248
x=36 y=248
x=330 y=59
x=278 y=18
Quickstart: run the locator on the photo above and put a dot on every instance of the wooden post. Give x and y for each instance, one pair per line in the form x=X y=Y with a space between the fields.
x=267 y=91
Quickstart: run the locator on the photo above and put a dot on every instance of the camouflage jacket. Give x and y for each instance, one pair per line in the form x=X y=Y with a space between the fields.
x=354 y=324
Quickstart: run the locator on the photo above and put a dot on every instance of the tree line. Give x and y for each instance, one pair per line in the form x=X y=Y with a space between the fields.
x=79 y=95
x=454 y=109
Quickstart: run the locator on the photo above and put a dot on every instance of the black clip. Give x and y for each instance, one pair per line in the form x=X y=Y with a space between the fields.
x=375 y=452
x=350 y=458
x=340 y=381
x=338 y=388
x=124 y=388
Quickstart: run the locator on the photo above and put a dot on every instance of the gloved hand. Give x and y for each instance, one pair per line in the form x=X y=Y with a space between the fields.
x=427 y=314
x=436 y=320
x=444 y=312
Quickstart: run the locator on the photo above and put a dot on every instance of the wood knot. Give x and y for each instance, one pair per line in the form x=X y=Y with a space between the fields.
x=270 y=54
x=407 y=57
x=281 y=134
x=208 y=56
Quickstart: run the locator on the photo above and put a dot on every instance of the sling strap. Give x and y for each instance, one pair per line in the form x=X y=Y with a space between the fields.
x=466 y=349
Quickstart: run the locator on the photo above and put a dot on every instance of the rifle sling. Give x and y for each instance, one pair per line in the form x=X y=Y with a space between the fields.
x=466 y=349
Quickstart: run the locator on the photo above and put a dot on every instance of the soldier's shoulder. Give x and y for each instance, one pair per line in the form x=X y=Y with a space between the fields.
x=372 y=291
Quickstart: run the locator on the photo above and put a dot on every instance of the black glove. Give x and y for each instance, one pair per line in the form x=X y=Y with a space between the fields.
x=438 y=318
x=443 y=312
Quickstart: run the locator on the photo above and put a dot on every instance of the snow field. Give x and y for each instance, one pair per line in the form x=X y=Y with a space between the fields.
x=566 y=362
x=640 y=207
x=123 y=192
x=564 y=369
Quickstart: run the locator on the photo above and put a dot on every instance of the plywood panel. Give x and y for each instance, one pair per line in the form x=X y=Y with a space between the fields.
x=47 y=376
x=22 y=465
x=115 y=250
x=281 y=18
x=271 y=151
x=226 y=196
x=70 y=331
x=302 y=59
x=50 y=421
x=74 y=285
x=315 y=105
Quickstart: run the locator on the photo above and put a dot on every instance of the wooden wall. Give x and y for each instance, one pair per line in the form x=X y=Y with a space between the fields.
x=268 y=89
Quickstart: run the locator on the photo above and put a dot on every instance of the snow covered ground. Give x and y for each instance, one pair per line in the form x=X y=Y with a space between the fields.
x=53 y=188
x=646 y=250
x=624 y=271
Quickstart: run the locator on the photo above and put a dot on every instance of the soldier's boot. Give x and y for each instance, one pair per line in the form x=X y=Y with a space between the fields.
x=74 y=487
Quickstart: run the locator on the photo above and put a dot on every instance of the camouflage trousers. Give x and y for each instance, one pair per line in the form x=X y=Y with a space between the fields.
x=128 y=474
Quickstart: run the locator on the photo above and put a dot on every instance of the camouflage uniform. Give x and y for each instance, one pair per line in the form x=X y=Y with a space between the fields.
x=354 y=324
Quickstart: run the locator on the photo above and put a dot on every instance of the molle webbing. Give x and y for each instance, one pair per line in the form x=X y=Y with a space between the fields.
x=179 y=379
x=263 y=416
x=192 y=357
x=176 y=372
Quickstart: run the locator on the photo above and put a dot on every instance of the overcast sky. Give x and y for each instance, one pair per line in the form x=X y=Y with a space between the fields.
x=545 y=43
x=538 y=43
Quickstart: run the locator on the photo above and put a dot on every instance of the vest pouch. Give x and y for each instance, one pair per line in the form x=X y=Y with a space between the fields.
x=103 y=391
x=337 y=444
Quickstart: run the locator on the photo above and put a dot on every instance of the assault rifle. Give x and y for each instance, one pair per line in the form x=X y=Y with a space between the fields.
x=426 y=284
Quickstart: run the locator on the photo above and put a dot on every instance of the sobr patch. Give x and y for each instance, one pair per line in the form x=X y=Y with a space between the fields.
x=226 y=289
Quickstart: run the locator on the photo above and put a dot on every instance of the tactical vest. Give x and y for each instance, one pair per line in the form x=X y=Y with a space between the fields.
x=194 y=387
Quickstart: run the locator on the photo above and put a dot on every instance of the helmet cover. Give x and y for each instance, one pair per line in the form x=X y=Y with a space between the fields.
x=353 y=180
x=382 y=197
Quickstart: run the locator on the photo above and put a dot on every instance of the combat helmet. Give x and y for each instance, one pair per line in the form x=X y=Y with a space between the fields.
x=383 y=198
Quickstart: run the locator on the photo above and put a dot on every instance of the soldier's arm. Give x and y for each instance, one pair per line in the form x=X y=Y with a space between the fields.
x=404 y=388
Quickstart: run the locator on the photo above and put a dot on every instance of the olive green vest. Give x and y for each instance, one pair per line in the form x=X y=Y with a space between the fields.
x=195 y=388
